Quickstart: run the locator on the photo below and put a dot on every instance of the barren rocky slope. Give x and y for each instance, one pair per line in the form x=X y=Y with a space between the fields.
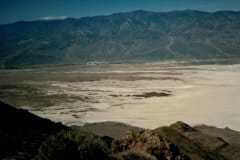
x=137 y=35
x=26 y=136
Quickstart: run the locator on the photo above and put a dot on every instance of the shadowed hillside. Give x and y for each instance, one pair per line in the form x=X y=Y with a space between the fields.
x=138 y=35
x=26 y=136
x=22 y=133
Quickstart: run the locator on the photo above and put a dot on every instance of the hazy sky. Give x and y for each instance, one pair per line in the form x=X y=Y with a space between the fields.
x=15 y=10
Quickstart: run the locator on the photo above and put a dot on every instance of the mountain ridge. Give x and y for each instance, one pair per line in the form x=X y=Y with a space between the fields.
x=24 y=135
x=117 y=13
x=137 y=35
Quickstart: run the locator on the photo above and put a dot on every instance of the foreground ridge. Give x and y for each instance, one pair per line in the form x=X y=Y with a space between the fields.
x=26 y=136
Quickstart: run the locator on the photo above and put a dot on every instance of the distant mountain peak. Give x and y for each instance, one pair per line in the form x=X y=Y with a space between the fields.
x=130 y=36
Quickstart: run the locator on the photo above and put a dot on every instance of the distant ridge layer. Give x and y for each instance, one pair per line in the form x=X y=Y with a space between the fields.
x=131 y=36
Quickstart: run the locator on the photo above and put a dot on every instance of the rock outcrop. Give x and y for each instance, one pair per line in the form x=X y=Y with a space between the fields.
x=149 y=142
x=26 y=136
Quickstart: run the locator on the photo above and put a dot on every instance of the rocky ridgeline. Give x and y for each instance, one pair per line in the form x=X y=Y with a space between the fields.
x=26 y=136
x=150 y=143
x=132 y=36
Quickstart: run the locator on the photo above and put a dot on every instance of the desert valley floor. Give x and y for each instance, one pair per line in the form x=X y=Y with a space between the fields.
x=147 y=95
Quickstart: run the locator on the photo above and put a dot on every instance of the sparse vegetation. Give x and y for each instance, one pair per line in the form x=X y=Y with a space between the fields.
x=133 y=155
x=27 y=136
x=137 y=35
x=73 y=145
x=149 y=142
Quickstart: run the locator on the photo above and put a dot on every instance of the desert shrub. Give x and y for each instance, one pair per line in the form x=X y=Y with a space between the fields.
x=160 y=153
x=133 y=155
x=73 y=145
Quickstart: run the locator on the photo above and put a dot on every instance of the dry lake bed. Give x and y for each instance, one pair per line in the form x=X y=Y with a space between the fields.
x=147 y=95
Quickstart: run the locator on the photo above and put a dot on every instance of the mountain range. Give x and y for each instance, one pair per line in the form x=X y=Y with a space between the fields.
x=132 y=36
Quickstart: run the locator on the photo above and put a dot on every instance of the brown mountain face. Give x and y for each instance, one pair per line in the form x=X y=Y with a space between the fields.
x=132 y=36
x=177 y=141
x=148 y=142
